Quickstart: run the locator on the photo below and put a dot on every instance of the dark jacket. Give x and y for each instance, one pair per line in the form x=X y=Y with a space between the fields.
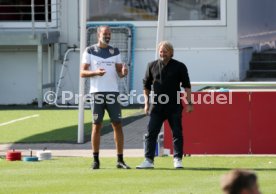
x=166 y=79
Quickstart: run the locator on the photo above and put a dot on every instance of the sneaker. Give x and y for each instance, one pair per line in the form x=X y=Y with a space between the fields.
x=95 y=165
x=177 y=162
x=122 y=165
x=145 y=165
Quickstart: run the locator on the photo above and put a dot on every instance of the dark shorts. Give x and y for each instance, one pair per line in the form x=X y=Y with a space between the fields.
x=101 y=101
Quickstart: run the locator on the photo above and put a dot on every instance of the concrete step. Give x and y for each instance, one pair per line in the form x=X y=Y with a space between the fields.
x=263 y=65
x=266 y=56
x=261 y=73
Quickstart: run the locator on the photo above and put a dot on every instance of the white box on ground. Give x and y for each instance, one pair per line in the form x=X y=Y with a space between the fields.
x=166 y=152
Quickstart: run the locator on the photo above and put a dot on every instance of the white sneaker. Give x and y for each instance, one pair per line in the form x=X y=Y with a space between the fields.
x=145 y=165
x=177 y=162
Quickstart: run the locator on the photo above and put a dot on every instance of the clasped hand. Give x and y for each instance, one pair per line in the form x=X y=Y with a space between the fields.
x=100 y=71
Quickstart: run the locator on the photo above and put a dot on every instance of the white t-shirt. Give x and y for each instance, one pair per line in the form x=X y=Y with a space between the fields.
x=105 y=58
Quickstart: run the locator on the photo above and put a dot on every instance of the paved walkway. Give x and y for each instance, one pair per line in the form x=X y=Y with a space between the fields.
x=133 y=131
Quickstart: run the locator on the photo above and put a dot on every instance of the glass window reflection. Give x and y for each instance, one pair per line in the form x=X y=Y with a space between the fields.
x=123 y=10
x=193 y=10
x=147 y=10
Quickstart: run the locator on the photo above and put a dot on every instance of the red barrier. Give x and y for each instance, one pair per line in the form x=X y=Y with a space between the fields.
x=235 y=128
x=263 y=122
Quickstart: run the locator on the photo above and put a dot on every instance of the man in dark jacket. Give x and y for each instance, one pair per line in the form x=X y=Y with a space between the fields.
x=166 y=75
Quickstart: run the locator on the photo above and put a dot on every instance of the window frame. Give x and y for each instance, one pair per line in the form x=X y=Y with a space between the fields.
x=220 y=22
x=28 y=24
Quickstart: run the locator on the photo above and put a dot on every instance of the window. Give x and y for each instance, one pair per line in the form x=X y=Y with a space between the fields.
x=179 y=12
x=123 y=10
x=18 y=13
x=196 y=12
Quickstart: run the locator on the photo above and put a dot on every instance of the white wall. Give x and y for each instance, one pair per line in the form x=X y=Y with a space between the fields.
x=71 y=75
x=69 y=26
x=203 y=65
x=18 y=76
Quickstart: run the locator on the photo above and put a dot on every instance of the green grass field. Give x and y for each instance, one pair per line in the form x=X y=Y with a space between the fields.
x=51 y=125
x=201 y=175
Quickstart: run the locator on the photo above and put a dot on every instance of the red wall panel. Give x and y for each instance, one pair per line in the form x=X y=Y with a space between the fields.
x=215 y=128
x=263 y=123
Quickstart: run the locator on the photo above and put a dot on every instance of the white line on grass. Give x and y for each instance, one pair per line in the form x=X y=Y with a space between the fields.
x=16 y=120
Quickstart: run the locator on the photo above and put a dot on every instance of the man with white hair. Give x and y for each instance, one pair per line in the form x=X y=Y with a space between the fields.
x=166 y=75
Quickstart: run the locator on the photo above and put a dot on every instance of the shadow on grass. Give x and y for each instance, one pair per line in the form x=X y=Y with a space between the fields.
x=69 y=134
x=224 y=169
x=51 y=107
x=30 y=107
x=210 y=169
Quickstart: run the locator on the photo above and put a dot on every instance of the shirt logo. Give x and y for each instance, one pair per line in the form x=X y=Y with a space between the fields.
x=98 y=63
x=111 y=51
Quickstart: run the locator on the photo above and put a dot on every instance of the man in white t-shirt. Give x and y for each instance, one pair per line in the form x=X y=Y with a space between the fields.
x=102 y=63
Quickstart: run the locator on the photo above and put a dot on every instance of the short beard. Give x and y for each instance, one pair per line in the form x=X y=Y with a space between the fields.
x=164 y=60
x=104 y=41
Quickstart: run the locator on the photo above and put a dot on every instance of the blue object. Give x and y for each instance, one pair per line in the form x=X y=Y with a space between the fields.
x=223 y=90
x=158 y=145
x=30 y=159
x=157 y=149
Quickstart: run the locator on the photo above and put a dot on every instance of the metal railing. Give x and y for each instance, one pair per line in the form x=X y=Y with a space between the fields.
x=236 y=84
x=32 y=13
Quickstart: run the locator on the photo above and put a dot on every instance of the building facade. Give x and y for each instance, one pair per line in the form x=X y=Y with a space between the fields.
x=214 y=38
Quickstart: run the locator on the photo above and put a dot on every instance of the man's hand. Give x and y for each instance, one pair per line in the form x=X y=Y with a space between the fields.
x=190 y=108
x=146 y=108
x=124 y=70
x=100 y=72
x=121 y=69
x=146 y=96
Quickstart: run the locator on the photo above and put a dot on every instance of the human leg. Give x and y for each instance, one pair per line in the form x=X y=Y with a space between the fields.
x=96 y=137
x=119 y=142
x=114 y=111
x=154 y=127
x=118 y=137
x=175 y=121
x=95 y=144
x=97 y=108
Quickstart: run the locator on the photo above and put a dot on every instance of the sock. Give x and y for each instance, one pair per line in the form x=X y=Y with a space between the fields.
x=120 y=158
x=96 y=156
